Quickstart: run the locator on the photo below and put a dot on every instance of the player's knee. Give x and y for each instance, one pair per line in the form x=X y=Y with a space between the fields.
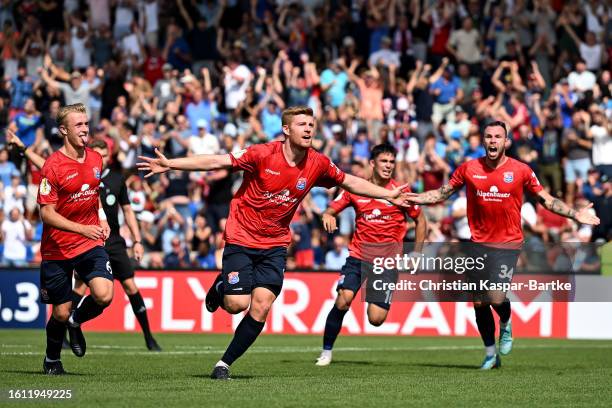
x=104 y=297
x=235 y=306
x=260 y=309
x=129 y=287
x=61 y=315
x=344 y=300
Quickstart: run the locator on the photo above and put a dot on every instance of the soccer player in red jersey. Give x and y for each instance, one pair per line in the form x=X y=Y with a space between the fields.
x=73 y=236
x=495 y=185
x=379 y=231
x=277 y=177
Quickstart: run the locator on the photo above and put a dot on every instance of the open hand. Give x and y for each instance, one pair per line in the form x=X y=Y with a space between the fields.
x=154 y=166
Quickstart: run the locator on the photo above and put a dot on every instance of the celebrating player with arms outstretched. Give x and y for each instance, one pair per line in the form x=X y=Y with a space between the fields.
x=495 y=185
x=379 y=228
x=73 y=238
x=277 y=177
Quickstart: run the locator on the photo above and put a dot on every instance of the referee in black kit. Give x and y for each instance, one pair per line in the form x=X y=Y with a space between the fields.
x=113 y=193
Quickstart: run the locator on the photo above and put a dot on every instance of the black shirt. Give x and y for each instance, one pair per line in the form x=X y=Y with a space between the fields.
x=113 y=194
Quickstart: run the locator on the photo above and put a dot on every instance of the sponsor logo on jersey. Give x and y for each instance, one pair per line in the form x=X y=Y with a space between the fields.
x=45 y=187
x=376 y=216
x=84 y=187
x=478 y=176
x=274 y=173
x=233 y=278
x=96 y=172
x=508 y=177
x=282 y=197
x=492 y=195
x=301 y=183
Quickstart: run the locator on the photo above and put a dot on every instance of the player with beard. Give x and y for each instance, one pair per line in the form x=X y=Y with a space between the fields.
x=495 y=185
x=379 y=231
x=73 y=236
x=277 y=177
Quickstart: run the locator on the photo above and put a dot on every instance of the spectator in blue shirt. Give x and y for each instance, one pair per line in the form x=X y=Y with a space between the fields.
x=446 y=88
x=333 y=81
x=474 y=149
x=177 y=52
x=22 y=88
x=200 y=108
x=28 y=125
x=6 y=168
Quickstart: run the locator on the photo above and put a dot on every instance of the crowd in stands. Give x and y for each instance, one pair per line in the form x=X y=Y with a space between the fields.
x=204 y=77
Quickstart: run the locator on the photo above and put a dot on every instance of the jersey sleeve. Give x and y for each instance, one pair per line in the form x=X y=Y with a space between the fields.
x=124 y=199
x=457 y=180
x=531 y=182
x=413 y=211
x=341 y=202
x=247 y=159
x=48 y=188
x=331 y=175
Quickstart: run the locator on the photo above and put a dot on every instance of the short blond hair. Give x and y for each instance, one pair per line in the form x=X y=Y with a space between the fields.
x=289 y=113
x=66 y=110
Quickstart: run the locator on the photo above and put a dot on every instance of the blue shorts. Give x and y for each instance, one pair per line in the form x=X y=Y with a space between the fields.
x=56 y=276
x=355 y=272
x=499 y=264
x=247 y=268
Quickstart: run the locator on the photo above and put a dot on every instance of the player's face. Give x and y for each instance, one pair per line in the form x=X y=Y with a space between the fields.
x=300 y=131
x=76 y=129
x=384 y=164
x=104 y=154
x=494 y=142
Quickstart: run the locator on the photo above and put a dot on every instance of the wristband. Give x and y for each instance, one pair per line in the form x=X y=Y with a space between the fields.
x=101 y=214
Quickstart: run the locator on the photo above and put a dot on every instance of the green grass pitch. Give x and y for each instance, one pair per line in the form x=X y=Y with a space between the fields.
x=279 y=371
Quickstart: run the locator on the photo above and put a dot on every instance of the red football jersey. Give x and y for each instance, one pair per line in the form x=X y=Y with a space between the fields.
x=377 y=222
x=495 y=197
x=73 y=188
x=271 y=191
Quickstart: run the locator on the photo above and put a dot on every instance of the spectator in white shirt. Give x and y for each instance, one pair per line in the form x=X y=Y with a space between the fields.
x=15 y=232
x=385 y=56
x=203 y=142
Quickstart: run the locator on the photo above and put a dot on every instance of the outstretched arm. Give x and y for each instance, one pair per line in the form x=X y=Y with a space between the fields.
x=432 y=196
x=362 y=187
x=202 y=162
x=557 y=206
x=37 y=160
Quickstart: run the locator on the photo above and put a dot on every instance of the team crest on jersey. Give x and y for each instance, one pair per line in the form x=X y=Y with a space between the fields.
x=233 y=278
x=45 y=187
x=301 y=183
x=96 y=172
x=508 y=177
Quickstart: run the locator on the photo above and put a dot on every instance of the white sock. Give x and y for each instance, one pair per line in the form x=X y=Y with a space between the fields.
x=326 y=353
x=504 y=325
x=221 y=363
x=490 y=350
x=48 y=360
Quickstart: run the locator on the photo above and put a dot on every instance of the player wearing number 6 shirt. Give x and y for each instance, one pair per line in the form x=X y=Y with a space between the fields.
x=73 y=237
x=495 y=185
x=379 y=232
x=277 y=177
